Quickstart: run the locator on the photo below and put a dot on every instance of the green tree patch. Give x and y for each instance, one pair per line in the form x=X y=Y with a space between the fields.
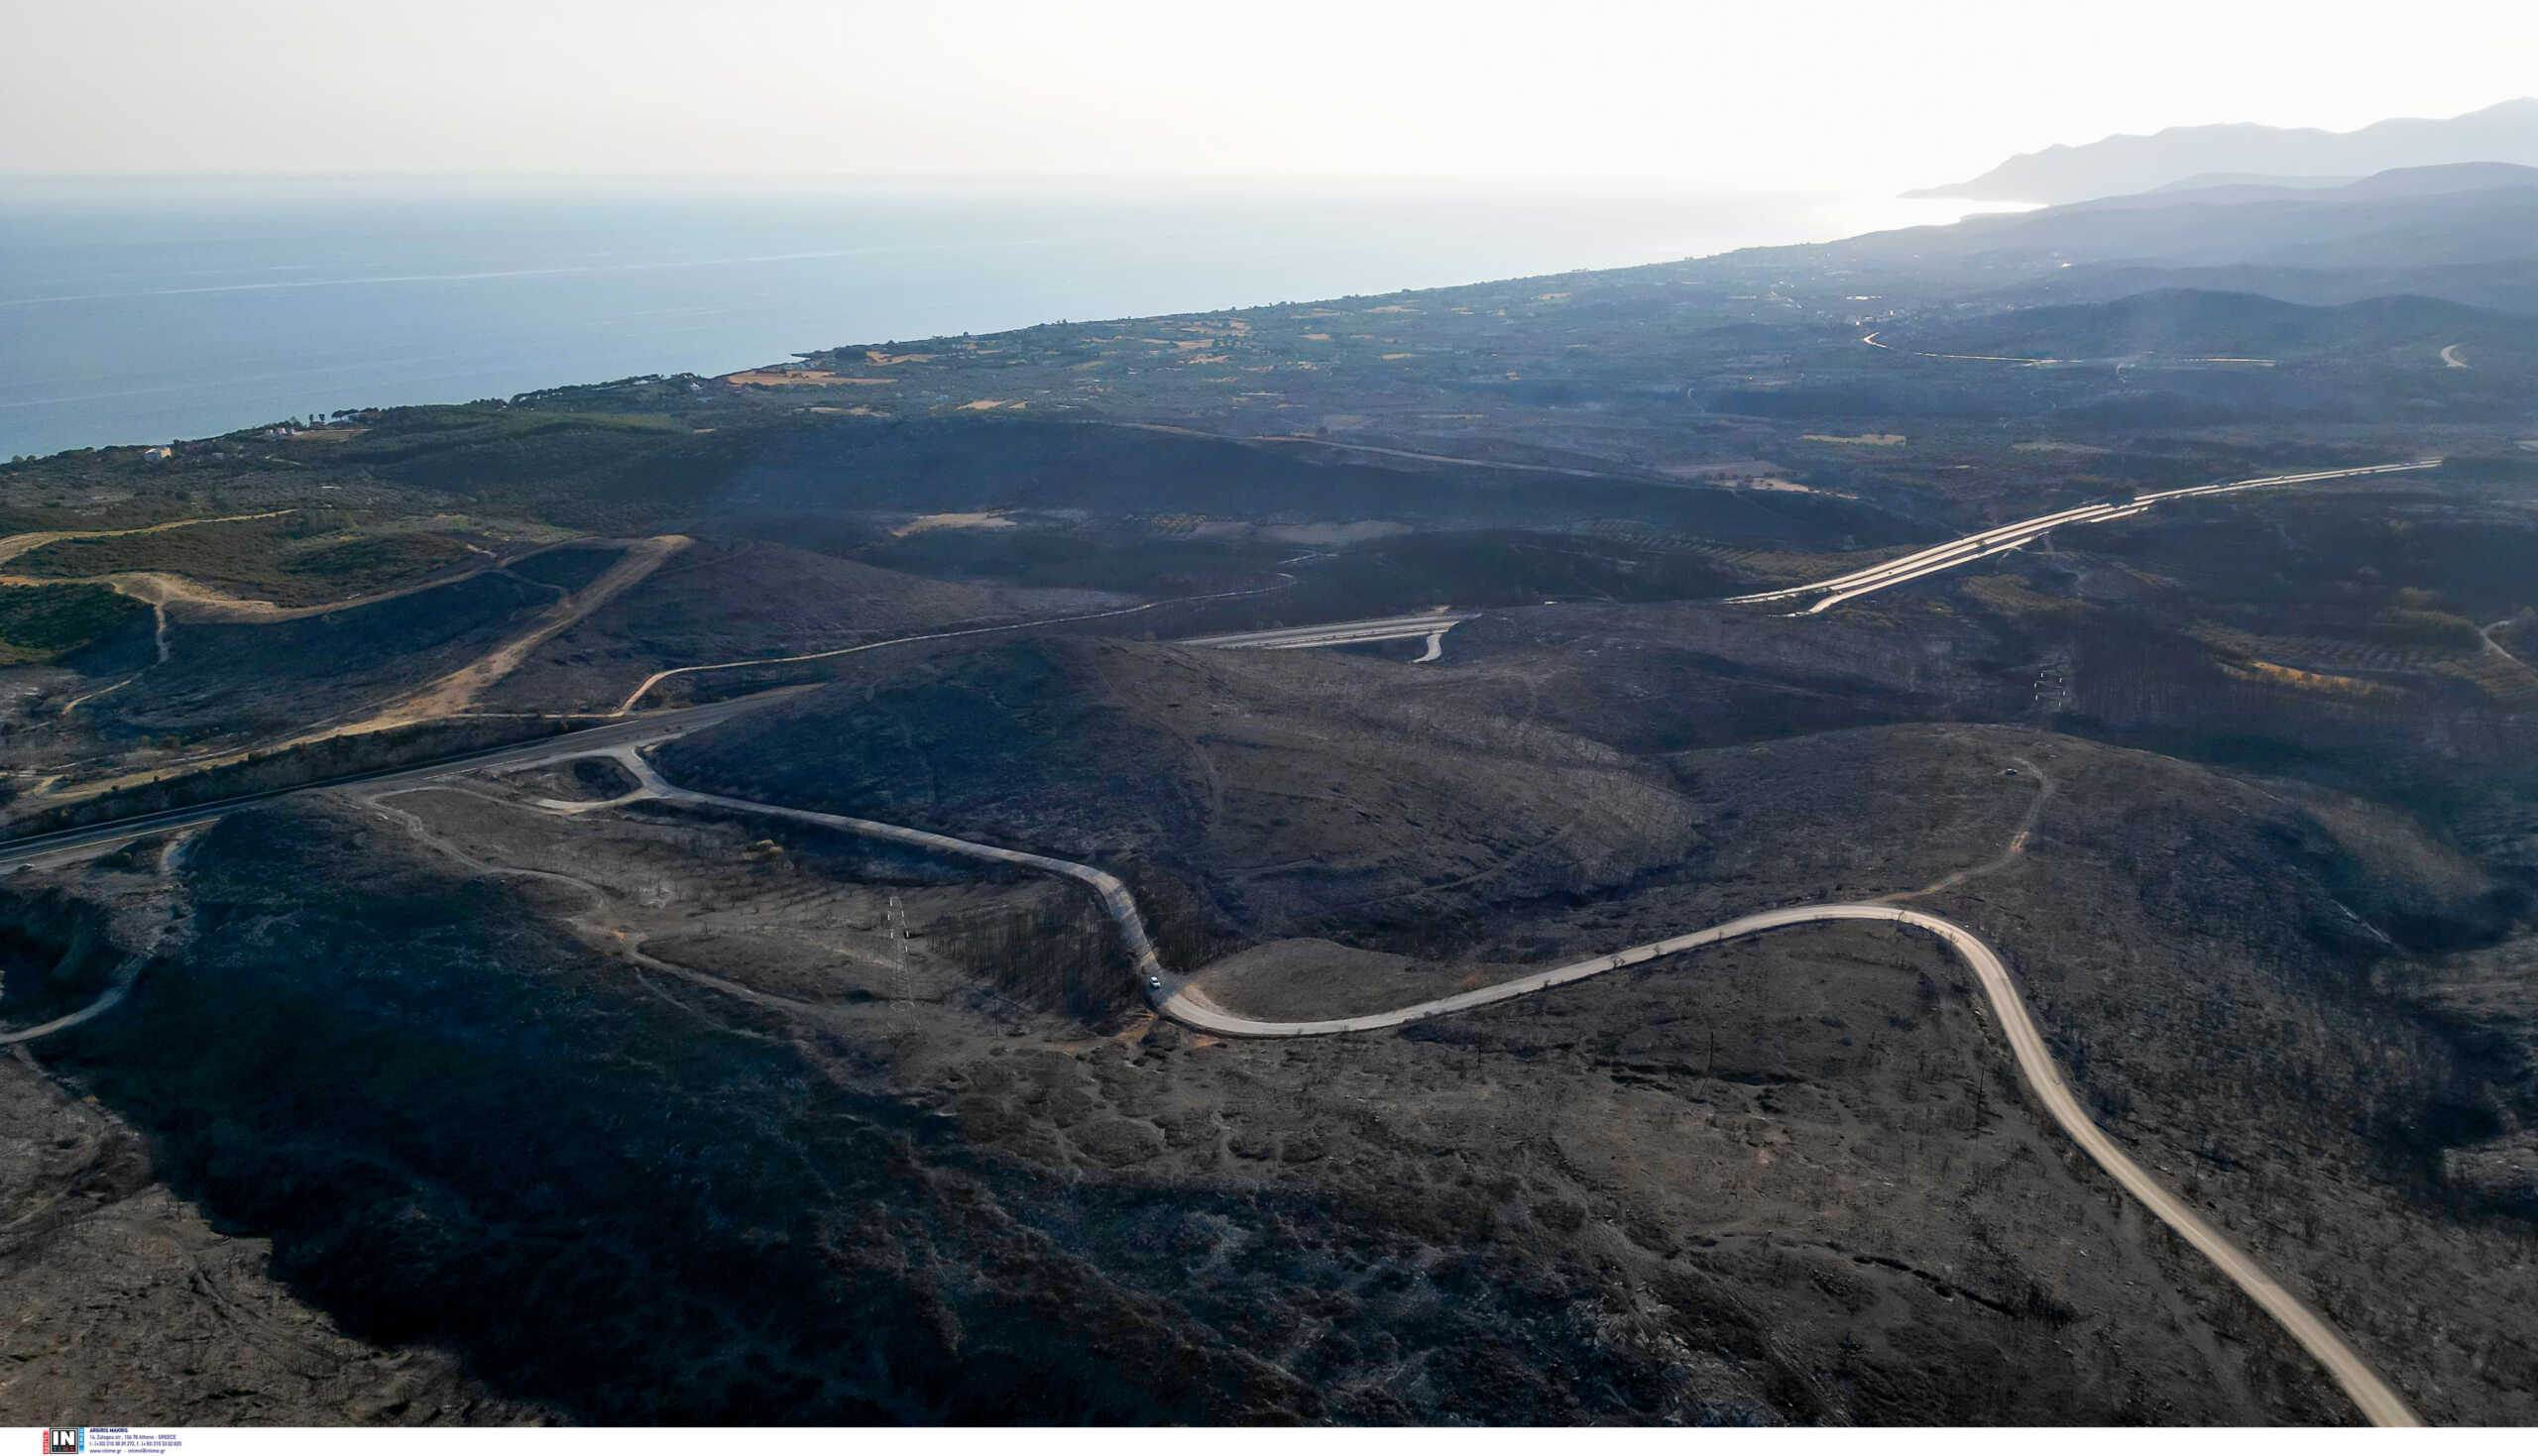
x=41 y=623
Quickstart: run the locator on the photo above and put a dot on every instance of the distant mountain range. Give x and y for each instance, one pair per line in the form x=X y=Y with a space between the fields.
x=2467 y=233
x=2244 y=154
x=2404 y=182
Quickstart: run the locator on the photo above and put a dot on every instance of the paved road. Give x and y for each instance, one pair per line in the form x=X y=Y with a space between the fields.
x=1948 y=555
x=1114 y=894
x=1172 y=997
x=644 y=689
x=2382 y=1405
x=66 y=844
x=1339 y=633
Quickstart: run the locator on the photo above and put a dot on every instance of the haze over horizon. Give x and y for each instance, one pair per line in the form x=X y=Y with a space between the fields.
x=1396 y=718
x=1811 y=96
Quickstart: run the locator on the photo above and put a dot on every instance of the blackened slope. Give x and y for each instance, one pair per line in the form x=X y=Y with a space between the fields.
x=927 y=465
x=1282 y=788
x=276 y=675
x=459 y=1126
x=2190 y=322
x=722 y=600
x=1015 y=740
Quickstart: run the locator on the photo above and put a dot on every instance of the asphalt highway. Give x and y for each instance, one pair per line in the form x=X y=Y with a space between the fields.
x=643 y=689
x=72 y=843
x=1172 y=997
x=1948 y=555
x=1338 y=633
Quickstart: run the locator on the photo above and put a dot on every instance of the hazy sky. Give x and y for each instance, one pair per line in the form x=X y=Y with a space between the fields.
x=1808 y=93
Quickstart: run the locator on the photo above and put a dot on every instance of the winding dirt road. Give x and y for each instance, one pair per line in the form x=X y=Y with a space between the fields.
x=1172 y=997
x=455 y=693
x=162 y=589
x=125 y=975
x=13 y=548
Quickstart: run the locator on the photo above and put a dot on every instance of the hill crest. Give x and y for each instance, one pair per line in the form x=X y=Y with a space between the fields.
x=2125 y=163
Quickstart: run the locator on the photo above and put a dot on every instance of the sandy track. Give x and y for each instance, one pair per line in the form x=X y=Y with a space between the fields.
x=12 y=547
x=125 y=975
x=162 y=589
x=458 y=691
x=165 y=589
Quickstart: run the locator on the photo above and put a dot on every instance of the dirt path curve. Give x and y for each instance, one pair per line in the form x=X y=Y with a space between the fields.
x=2009 y=853
x=13 y=548
x=125 y=975
x=1172 y=997
x=160 y=588
x=592 y=924
x=455 y=693
x=2486 y=634
x=165 y=589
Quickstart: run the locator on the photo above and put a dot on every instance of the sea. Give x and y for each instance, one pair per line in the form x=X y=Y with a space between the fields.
x=139 y=310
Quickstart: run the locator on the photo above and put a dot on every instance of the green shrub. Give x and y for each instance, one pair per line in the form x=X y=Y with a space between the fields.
x=41 y=623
